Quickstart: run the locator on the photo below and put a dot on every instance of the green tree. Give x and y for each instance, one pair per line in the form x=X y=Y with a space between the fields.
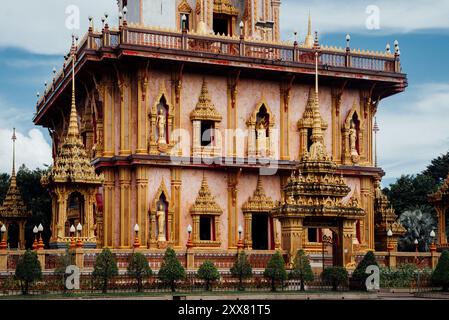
x=419 y=223
x=171 y=269
x=241 y=269
x=28 y=270
x=275 y=270
x=359 y=275
x=139 y=269
x=440 y=275
x=105 y=268
x=302 y=269
x=336 y=276
x=67 y=259
x=410 y=191
x=438 y=169
x=38 y=201
x=209 y=273
x=4 y=185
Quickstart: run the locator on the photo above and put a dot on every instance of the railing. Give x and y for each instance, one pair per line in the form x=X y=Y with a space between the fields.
x=188 y=43
x=54 y=284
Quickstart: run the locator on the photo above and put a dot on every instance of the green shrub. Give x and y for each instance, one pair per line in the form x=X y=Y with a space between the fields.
x=336 y=276
x=67 y=259
x=105 y=268
x=302 y=269
x=440 y=276
x=241 y=269
x=275 y=270
x=139 y=269
x=28 y=270
x=209 y=273
x=171 y=269
x=359 y=275
x=401 y=277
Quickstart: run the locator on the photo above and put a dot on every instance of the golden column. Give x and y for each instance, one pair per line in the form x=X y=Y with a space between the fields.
x=125 y=208
x=142 y=204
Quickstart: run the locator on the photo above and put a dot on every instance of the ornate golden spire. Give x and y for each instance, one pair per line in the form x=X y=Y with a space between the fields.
x=317 y=149
x=259 y=202
x=13 y=175
x=13 y=205
x=205 y=109
x=72 y=164
x=205 y=202
x=308 y=43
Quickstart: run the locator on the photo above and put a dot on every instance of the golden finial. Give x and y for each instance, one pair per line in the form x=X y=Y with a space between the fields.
x=308 y=43
x=73 y=122
x=13 y=175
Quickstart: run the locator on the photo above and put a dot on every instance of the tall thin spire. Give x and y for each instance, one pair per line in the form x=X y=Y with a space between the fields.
x=308 y=42
x=13 y=175
x=73 y=122
x=317 y=149
x=309 y=29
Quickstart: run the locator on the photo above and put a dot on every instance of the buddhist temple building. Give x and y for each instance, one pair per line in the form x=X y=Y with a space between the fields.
x=196 y=122
x=13 y=212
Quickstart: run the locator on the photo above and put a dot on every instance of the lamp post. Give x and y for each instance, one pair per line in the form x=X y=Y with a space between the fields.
x=416 y=242
x=433 y=246
x=189 y=241
x=390 y=246
x=35 y=243
x=324 y=241
x=136 y=240
x=40 y=244
x=3 y=241
x=79 y=243
x=72 y=236
x=241 y=25
x=348 y=41
x=240 y=242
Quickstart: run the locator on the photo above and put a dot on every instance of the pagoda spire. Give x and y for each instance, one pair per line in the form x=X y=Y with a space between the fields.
x=317 y=149
x=308 y=43
x=73 y=130
x=13 y=175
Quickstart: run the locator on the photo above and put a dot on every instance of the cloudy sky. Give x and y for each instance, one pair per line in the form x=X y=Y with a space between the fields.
x=413 y=124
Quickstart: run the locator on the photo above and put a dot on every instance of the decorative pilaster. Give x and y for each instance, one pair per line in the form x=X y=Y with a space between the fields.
x=233 y=180
x=125 y=208
x=109 y=119
x=176 y=184
x=142 y=131
x=348 y=227
x=285 y=92
x=109 y=208
x=336 y=124
x=142 y=217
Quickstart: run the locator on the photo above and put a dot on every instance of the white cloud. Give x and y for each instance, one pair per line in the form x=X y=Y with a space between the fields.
x=31 y=149
x=351 y=16
x=413 y=129
x=39 y=26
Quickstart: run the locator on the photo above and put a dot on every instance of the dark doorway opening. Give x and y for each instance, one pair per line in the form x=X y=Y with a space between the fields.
x=260 y=232
x=221 y=25
x=206 y=228
x=207 y=133
x=13 y=235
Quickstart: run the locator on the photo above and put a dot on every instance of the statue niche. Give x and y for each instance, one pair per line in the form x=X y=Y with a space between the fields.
x=260 y=126
x=352 y=138
x=161 y=124
x=161 y=219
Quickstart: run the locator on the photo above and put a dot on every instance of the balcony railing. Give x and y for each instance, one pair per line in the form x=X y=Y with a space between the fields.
x=223 y=46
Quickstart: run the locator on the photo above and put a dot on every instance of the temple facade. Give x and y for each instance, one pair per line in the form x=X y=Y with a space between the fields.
x=206 y=128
